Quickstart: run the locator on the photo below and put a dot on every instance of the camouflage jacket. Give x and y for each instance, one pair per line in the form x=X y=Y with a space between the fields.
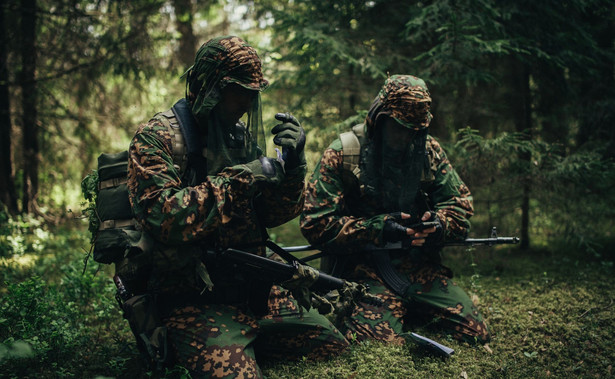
x=225 y=210
x=338 y=215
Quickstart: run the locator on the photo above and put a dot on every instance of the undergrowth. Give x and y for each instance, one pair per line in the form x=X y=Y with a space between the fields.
x=550 y=312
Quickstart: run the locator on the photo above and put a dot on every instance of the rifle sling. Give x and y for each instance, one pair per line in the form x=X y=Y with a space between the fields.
x=387 y=272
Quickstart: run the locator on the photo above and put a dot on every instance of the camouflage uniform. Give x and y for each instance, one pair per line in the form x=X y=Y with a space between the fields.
x=216 y=334
x=342 y=217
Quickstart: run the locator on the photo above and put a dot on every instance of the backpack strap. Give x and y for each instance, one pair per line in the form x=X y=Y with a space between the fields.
x=351 y=140
x=351 y=147
x=178 y=146
x=187 y=125
x=184 y=134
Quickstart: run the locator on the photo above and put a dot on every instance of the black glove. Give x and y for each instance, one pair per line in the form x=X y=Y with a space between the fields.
x=436 y=238
x=393 y=231
x=266 y=170
x=290 y=135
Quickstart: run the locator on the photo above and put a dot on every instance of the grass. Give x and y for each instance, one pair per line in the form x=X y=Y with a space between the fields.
x=550 y=311
x=551 y=317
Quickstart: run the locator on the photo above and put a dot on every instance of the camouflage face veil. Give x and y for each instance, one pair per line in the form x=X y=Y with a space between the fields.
x=220 y=62
x=394 y=175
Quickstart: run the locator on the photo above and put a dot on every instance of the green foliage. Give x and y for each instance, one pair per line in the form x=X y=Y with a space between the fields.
x=21 y=234
x=89 y=189
x=455 y=36
x=40 y=316
x=54 y=316
x=569 y=189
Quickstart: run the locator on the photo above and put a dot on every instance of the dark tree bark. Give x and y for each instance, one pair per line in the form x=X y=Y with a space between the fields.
x=8 y=196
x=522 y=116
x=187 y=43
x=29 y=105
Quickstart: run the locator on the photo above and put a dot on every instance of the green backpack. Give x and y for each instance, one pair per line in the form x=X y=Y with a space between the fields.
x=118 y=232
x=117 y=237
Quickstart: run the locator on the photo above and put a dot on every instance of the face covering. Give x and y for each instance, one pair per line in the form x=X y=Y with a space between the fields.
x=220 y=62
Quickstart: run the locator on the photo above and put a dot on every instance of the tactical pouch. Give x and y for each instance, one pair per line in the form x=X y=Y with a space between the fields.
x=144 y=320
x=118 y=232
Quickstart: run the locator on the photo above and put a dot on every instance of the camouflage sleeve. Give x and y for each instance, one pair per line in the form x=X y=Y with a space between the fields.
x=169 y=212
x=282 y=203
x=325 y=221
x=450 y=196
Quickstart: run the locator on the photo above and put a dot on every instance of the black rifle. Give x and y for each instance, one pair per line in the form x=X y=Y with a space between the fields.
x=273 y=271
x=399 y=284
x=382 y=260
x=492 y=240
x=279 y=272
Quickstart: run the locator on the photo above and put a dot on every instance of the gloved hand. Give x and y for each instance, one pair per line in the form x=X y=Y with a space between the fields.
x=435 y=239
x=300 y=283
x=393 y=231
x=290 y=135
x=267 y=170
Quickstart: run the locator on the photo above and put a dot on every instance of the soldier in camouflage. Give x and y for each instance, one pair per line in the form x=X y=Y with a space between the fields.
x=218 y=320
x=402 y=176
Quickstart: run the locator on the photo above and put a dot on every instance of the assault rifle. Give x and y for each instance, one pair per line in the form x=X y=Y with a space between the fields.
x=279 y=272
x=274 y=271
x=492 y=240
x=398 y=283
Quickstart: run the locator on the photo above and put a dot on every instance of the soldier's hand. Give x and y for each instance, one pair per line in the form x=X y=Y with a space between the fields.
x=394 y=231
x=291 y=136
x=435 y=235
x=266 y=170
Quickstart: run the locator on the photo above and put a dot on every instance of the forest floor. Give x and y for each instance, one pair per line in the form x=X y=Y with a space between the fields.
x=550 y=312
x=551 y=316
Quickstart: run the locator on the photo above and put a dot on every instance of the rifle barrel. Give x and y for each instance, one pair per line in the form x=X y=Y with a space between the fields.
x=294 y=249
x=484 y=241
x=491 y=241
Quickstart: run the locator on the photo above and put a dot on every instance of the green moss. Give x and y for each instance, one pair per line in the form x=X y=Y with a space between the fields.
x=550 y=314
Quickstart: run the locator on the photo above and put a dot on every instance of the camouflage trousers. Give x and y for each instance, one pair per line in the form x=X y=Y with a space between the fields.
x=224 y=341
x=433 y=300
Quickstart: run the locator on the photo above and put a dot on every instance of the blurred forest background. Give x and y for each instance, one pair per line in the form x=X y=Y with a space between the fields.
x=523 y=101
x=524 y=92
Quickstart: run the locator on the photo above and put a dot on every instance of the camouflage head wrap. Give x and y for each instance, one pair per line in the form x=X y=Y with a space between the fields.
x=406 y=99
x=220 y=61
x=394 y=176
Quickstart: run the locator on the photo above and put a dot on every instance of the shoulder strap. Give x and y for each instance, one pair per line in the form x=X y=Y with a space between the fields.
x=178 y=146
x=180 y=123
x=188 y=127
x=351 y=147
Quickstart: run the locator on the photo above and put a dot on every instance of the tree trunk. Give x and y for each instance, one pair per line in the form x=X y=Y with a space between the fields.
x=29 y=105
x=522 y=116
x=8 y=196
x=187 y=43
